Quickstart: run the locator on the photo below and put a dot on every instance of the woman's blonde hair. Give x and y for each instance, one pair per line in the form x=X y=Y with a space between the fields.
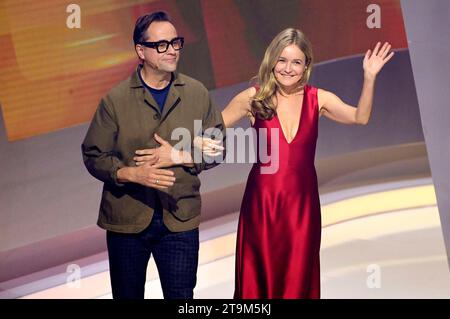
x=262 y=103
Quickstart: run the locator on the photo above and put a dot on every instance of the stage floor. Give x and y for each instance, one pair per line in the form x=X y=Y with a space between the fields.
x=378 y=241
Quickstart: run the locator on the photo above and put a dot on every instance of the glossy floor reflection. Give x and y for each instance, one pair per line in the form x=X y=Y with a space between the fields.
x=372 y=248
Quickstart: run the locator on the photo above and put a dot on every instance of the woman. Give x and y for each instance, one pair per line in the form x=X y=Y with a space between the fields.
x=279 y=230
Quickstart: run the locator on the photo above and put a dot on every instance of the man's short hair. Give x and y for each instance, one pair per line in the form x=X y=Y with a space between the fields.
x=143 y=22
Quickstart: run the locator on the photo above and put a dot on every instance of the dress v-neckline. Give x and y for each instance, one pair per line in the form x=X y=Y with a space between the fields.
x=299 y=120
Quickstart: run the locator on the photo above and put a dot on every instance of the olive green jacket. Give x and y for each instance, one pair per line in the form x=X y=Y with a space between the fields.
x=126 y=121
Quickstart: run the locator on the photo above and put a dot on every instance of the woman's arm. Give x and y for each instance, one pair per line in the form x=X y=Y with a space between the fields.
x=239 y=107
x=335 y=109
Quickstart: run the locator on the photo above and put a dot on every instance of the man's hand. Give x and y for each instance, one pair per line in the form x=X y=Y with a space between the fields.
x=147 y=175
x=164 y=156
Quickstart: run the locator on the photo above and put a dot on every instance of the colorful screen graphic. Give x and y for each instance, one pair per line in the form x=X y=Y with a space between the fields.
x=52 y=76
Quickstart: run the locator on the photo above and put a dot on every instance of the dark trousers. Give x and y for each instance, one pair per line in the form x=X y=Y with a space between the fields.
x=175 y=254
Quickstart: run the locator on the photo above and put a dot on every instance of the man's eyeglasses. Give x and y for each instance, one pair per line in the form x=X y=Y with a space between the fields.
x=163 y=45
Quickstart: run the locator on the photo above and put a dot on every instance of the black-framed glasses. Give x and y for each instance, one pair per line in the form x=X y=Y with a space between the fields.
x=163 y=45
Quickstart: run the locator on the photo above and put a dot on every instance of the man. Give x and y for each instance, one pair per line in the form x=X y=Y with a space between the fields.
x=152 y=208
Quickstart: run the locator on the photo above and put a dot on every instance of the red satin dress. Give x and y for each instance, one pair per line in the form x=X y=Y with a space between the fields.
x=279 y=232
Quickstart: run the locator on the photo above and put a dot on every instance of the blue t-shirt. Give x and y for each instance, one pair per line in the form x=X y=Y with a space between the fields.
x=160 y=95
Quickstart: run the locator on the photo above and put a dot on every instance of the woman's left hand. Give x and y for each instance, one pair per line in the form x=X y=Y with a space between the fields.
x=208 y=146
x=374 y=61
